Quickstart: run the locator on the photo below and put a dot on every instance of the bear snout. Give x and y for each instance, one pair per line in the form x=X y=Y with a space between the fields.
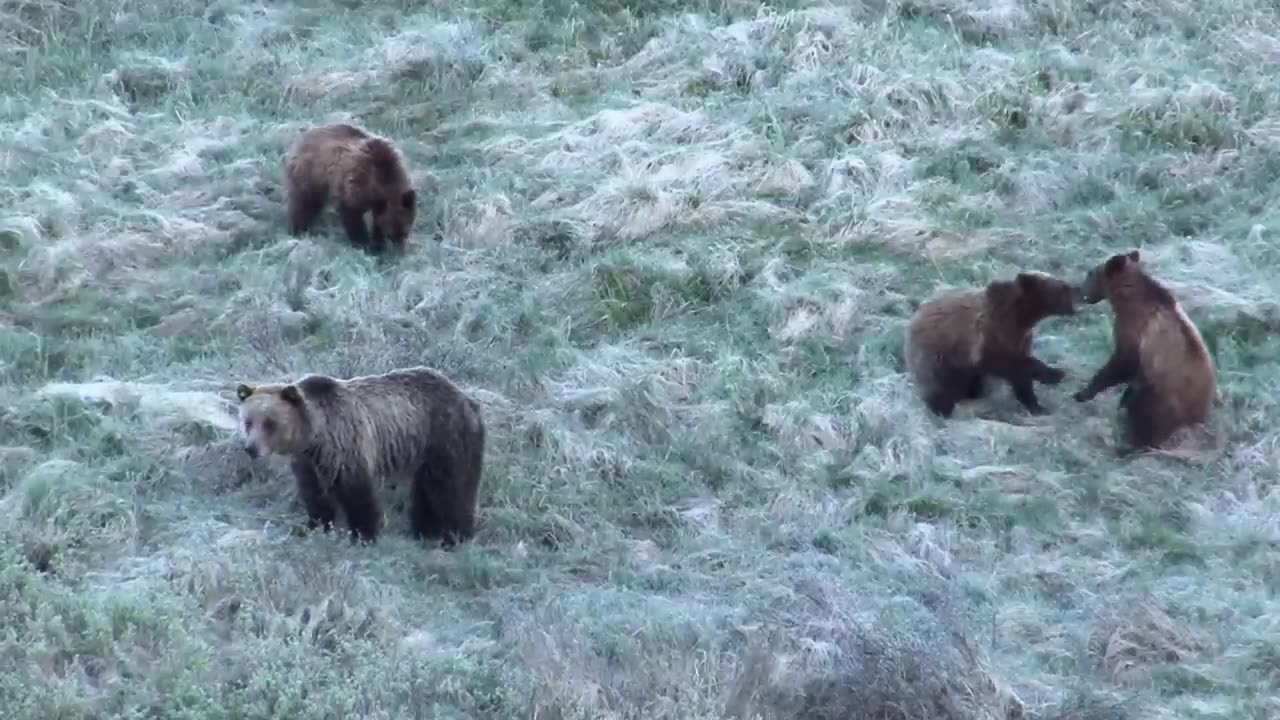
x=251 y=450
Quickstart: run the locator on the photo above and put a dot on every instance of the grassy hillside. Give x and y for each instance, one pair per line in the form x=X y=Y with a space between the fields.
x=672 y=248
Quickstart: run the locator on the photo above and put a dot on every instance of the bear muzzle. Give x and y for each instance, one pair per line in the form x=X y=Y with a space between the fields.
x=251 y=450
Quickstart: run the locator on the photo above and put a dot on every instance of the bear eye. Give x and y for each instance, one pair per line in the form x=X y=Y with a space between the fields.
x=268 y=426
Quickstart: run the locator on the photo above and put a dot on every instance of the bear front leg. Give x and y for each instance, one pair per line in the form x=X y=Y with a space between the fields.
x=1125 y=396
x=360 y=505
x=1119 y=368
x=353 y=223
x=377 y=239
x=320 y=509
x=1044 y=373
x=977 y=387
x=1024 y=391
x=303 y=208
x=1020 y=373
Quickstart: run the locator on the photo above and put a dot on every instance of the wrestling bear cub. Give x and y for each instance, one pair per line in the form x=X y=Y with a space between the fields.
x=956 y=341
x=362 y=173
x=340 y=435
x=1159 y=353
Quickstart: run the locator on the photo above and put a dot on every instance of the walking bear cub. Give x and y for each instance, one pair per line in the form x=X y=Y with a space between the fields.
x=341 y=435
x=362 y=173
x=954 y=342
x=1158 y=353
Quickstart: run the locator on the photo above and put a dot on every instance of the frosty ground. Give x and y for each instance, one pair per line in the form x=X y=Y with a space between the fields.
x=672 y=248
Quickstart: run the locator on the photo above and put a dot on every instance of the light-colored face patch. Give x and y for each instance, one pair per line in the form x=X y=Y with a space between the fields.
x=271 y=425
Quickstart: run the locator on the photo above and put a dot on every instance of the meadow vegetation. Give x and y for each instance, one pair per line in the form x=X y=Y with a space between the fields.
x=672 y=248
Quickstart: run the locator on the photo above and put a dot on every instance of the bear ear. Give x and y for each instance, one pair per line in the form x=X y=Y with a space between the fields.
x=291 y=393
x=243 y=391
x=1133 y=256
x=1026 y=281
x=408 y=199
x=1116 y=263
x=378 y=206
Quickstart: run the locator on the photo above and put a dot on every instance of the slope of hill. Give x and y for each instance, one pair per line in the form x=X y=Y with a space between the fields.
x=672 y=248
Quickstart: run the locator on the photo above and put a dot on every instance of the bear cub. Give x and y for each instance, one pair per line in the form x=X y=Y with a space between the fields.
x=1158 y=353
x=362 y=173
x=956 y=341
x=342 y=435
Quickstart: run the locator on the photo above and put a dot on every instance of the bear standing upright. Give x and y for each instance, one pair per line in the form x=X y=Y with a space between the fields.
x=341 y=434
x=955 y=341
x=1158 y=352
x=362 y=173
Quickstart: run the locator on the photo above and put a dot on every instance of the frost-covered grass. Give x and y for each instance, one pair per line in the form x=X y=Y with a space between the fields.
x=672 y=248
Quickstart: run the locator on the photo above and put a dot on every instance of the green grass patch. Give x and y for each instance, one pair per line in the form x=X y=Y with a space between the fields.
x=672 y=248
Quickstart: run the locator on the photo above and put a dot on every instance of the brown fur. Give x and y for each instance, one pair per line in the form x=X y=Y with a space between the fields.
x=341 y=435
x=1158 y=353
x=955 y=341
x=362 y=173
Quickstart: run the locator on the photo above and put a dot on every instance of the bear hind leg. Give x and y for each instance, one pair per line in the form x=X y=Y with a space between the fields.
x=440 y=509
x=423 y=517
x=1148 y=422
x=942 y=401
x=950 y=384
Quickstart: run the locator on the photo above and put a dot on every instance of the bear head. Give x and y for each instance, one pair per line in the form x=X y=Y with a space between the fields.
x=274 y=420
x=395 y=215
x=1098 y=285
x=1033 y=296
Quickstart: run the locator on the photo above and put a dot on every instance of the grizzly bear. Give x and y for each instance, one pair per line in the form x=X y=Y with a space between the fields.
x=1158 y=353
x=342 y=435
x=955 y=341
x=362 y=172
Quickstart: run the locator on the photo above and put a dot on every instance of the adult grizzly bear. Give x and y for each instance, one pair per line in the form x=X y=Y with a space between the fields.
x=1158 y=352
x=362 y=172
x=341 y=434
x=955 y=341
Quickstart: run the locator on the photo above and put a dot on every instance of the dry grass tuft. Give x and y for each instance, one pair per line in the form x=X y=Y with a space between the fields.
x=1140 y=637
x=146 y=76
x=649 y=188
x=445 y=55
x=864 y=671
x=978 y=23
x=161 y=403
x=34 y=24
